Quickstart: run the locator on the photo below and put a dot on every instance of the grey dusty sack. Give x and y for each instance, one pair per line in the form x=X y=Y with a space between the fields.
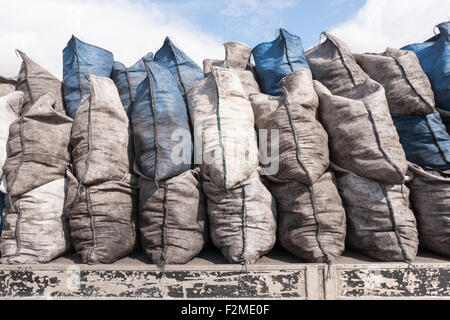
x=303 y=143
x=101 y=137
x=38 y=147
x=242 y=220
x=35 y=228
x=363 y=138
x=333 y=64
x=431 y=205
x=224 y=126
x=379 y=221
x=408 y=89
x=172 y=218
x=237 y=57
x=34 y=81
x=312 y=222
x=10 y=107
x=102 y=219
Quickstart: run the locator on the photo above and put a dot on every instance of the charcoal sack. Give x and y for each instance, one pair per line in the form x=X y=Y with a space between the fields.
x=277 y=59
x=431 y=205
x=242 y=220
x=79 y=59
x=172 y=218
x=380 y=223
x=312 y=223
x=362 y=135
x=302 y=142
x=159 y=121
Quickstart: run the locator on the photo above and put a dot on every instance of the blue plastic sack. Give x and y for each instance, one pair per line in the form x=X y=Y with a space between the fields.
x=158 y=111
x=434 y=57
x=2 y=207
x=424 y=139
x=127 y=80
x=79 y=59
x=277 y=59
x=186 y=72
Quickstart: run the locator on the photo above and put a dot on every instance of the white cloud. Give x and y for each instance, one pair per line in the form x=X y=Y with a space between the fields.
x=128 y=28
x=392 y=23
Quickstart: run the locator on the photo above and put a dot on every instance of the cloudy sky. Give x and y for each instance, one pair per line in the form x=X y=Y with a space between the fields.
x=131 y=28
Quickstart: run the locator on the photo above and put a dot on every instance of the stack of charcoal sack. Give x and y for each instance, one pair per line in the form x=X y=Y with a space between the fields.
x=312 y=222
x=35 y=227
x=241 y=211
x=367 y=156
x=424 y=139
x=172 y=214
x=102 y=192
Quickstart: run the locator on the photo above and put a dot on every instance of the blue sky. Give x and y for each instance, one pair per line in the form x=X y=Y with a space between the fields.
x=253 y=22
x=131 y=28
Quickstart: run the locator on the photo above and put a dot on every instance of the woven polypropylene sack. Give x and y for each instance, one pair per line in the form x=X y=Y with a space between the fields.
x=424 y=139
x=407 y=87
x=224 y=124
x=10 y=107
x=34 y=81
x=185 y=71
x=333 y=64
x=127 y=80
x=172 y=218
x=243 y=220
x=431 y=205
x=312 y=222
x=363 y=138
x=101 y=137
x=159 y=119
x=277 y=59
x=237 y=57
x=80 y=59
x=35 y=229
x=302 y=142
x=38 y=147
x=102 y=219
x=379 y=221
x=434 y=56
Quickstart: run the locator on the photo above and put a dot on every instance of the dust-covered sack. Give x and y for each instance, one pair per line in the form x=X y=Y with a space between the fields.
x=101 y=137
x=333 y=64
x=312 y=222
x=362 y=135
x=79 y=59
x=34 y=81
x=424 y=139
x=185 y=71
x=431 y=204
x=35 y=228
x=379 y=221
x=224 y=129
x=127 y=80
x=302 y=145
x=243 y=220
x=102 y=219
x=10 y=108
x=277 y=59
x=407 y=87
x=237 y=57
x=434 y=56
x=172 y=218
x=38 y=147
x=161 y=133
